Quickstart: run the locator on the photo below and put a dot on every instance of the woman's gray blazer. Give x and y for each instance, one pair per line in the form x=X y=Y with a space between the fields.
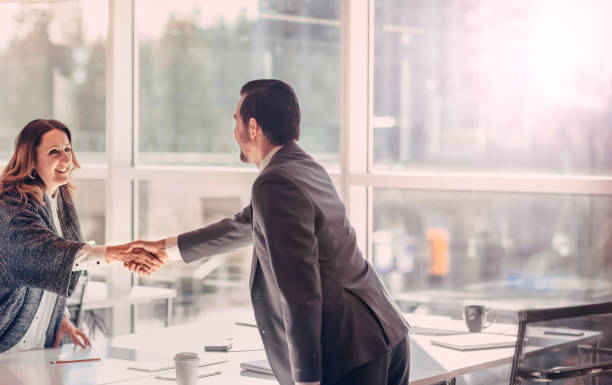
x=34 y=258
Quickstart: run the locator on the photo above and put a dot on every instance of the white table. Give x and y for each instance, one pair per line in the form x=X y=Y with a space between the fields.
x=429 y=364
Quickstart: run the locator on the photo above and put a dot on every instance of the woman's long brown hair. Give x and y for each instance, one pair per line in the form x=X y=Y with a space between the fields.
x=20 y=174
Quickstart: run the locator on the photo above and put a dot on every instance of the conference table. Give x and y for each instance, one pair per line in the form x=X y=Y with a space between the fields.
x=429 y=364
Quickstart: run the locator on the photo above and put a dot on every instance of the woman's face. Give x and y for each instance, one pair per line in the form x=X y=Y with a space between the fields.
x=54 y=159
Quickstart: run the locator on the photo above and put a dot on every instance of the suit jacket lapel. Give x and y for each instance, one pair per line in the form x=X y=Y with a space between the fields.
x=254 y=266
x=254 y=258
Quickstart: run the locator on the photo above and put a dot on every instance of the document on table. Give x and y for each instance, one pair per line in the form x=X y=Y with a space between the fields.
x=475 y=341
x=105 y=371
x=151 y=366
x=259 y=366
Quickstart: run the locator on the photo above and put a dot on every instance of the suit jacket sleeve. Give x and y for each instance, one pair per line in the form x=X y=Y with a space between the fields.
x=38 y=257
x=221 y=237
x=287 y=219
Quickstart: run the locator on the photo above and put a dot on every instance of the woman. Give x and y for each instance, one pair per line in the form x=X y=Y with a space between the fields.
x=41 y=247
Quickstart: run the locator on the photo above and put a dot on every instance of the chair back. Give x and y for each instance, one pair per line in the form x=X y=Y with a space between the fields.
x=563 y=342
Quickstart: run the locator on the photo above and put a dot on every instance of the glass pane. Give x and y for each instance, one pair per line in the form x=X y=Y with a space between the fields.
x=52 y=65
x=442 y=248
x=219 y=283
x=90 y=200
x=194 y=56
x=501 y=86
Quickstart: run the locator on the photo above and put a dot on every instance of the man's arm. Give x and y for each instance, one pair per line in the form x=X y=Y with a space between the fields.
x=220 y=237
x=287 y=220
x=224 y=236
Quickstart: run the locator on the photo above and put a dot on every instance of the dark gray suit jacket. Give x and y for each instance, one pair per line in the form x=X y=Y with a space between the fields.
x=320 y=308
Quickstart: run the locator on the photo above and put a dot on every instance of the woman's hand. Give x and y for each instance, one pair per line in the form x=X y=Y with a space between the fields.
x=78 y=337
x=133 y=255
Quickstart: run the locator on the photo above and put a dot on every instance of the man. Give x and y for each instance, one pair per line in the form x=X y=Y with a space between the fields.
x=322 y=312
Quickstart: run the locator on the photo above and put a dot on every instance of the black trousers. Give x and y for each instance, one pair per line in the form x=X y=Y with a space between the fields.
x=391 y=368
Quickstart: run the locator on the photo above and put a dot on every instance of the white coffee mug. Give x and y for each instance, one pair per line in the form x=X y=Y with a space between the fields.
x=186 y=365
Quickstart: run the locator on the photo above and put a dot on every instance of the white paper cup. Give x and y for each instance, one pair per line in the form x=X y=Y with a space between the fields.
x=186 y=365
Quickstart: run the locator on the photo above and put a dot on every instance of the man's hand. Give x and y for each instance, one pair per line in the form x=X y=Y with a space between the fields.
x=132 y=255
x=78 y=337
x=157 y=248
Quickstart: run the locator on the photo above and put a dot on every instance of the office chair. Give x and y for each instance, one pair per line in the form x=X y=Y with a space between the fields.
x=580 y=340
x=81 y=317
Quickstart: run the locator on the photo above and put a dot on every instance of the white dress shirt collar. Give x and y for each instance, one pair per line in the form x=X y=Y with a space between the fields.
x=266 y=159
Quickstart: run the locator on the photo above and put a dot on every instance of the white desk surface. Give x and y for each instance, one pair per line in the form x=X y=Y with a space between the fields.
x=428 y=363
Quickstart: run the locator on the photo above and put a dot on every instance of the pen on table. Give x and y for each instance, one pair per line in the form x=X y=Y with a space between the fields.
x=248 y=324
x=71 y=361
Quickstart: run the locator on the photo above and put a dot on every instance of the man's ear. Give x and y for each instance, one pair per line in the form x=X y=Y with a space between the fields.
x=252 y=127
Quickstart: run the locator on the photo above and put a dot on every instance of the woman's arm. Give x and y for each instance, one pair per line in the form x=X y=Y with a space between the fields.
x=37 y=256
x=33 y=255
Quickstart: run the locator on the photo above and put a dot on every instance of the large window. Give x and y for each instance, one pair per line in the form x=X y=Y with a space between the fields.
x=52 y=65
x=192 y=58
x=194 y=55
x=493 y=86
x=470 y=100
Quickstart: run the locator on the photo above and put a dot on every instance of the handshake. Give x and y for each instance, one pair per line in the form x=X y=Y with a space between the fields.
x=141 y=257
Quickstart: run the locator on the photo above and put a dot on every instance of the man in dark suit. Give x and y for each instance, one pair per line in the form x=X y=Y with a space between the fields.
x=323 y=314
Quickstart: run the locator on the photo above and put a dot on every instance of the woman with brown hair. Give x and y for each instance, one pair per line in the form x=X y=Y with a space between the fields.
x=41 y=247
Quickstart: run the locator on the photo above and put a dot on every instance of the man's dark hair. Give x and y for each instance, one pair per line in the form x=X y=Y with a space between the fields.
x=275 y=107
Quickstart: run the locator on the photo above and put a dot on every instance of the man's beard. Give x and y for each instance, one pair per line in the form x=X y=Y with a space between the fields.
x=243 y=157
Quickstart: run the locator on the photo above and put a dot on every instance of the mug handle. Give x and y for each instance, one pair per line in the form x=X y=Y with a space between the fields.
x=487 y=316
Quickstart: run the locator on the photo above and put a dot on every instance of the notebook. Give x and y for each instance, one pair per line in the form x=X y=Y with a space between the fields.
x=475 y=341
x=259 y=366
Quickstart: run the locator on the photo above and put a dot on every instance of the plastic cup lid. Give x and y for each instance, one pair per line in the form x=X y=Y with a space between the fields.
x=186 y=356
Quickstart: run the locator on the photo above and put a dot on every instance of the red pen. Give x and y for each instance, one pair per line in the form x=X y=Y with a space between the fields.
x=71 y=361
